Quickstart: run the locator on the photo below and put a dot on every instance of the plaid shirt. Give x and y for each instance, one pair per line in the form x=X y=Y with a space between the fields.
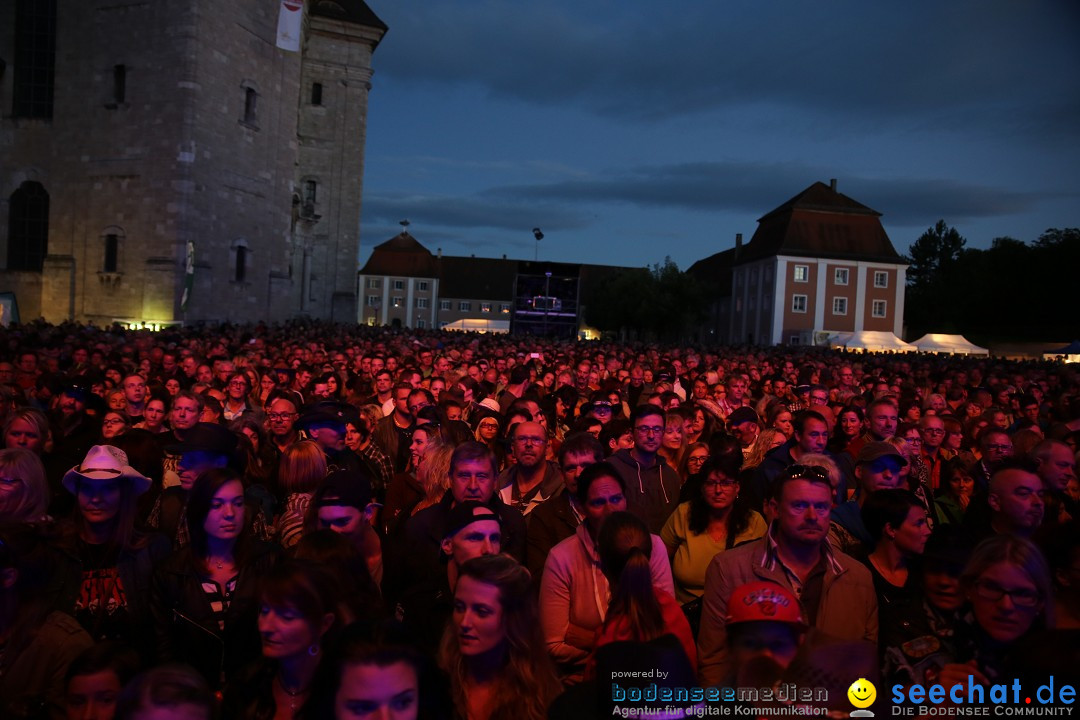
x=381 y=461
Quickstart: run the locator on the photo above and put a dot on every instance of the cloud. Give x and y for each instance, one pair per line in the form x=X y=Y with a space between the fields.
x=758 y=188
x=645 y=60
x=469 y=211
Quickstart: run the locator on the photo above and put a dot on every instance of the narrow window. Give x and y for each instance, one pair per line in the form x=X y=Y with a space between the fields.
x=119 y=84
x=250 y=97
x=112 y=253
x=316 y=93
x=310 y=189
x=241 y=264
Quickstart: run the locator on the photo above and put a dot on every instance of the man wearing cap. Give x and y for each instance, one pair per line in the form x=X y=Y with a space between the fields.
x=324 y=423
x=835 y=592
x=473 y=477
x=745 y=425
x=74 y=431
x=877 y=467
x=531 y=479
x=344 y=503
x=765 y=629
x=205 y=446
x=472 y=529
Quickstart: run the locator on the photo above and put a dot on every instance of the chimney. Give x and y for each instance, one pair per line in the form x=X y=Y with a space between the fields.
x=832 y=184
x=738 y=245
x=438 y=252
x=504 y=256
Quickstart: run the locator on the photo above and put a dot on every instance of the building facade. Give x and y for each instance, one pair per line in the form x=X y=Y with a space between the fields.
x=132 y=132
x=818 y=265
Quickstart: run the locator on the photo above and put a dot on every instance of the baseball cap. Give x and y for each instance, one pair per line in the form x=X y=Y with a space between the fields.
x=742 y=415
x=764 y=602
x=874 y=450
x=466 y=513
x=349 y=488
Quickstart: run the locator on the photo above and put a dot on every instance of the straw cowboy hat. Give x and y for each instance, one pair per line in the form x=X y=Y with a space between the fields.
x=105 y=462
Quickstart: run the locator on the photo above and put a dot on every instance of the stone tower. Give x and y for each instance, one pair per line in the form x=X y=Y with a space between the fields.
x=130 y=129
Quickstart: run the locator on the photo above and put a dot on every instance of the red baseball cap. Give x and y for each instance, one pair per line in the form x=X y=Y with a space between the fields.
x=764 y=602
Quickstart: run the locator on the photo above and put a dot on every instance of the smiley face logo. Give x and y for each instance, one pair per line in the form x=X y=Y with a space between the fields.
x=862 y=693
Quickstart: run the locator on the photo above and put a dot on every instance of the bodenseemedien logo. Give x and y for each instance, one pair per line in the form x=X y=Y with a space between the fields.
x=1052 y=698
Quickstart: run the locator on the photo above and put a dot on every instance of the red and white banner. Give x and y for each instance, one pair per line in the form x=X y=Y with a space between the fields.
x=289 y=24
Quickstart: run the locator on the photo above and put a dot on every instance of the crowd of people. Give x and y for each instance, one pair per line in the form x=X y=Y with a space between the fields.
x=328 y=521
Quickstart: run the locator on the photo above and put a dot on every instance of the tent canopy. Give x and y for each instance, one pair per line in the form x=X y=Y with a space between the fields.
x=953 y=344
x=871 y=341
x=1072 y=348
x=497 y=327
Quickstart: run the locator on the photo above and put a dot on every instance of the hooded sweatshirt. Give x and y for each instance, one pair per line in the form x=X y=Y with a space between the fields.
x=652 y=492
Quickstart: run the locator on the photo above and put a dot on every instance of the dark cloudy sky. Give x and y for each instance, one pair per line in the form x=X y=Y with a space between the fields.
x=632 y=130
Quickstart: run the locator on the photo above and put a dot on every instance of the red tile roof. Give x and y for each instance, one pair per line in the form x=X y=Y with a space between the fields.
x=402 y=256
x=821 y=222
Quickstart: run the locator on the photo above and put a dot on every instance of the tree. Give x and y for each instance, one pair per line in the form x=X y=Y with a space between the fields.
x=936 y=251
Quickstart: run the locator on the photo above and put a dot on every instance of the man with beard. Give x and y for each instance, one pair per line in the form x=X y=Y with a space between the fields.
x=836 y=593
x=532 y=479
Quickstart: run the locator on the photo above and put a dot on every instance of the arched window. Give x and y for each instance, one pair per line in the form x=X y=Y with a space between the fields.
x=28 y=227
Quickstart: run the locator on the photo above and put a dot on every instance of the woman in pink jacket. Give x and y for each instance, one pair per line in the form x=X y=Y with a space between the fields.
x=574 y=594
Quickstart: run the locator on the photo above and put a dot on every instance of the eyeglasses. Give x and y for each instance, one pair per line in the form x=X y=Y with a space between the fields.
x=804 y=471
x=719 y=484
x=1020 y=597
x=113 y=421
x=280 y=416
x=934 y=431
x=489 y=426
x=529 y=440
x=649 y=430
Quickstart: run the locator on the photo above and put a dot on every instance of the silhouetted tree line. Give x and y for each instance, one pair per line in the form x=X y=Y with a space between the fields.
x=657 y=303
x=1011 y=291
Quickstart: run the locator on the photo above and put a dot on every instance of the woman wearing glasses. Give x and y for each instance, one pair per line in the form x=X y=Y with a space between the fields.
x=713 y=521
x=1007 y=582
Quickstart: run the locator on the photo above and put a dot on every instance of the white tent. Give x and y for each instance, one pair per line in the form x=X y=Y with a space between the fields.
x=870 y=341
x=497 y=327
x=952 y=344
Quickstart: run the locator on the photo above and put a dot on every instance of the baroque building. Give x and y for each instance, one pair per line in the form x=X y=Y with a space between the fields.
x=133 y=132
x=818 y=266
